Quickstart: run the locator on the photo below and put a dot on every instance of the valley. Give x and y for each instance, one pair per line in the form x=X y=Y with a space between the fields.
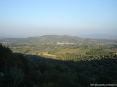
x=63 y=47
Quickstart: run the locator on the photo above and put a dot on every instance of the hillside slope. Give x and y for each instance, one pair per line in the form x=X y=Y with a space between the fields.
x=20 y=70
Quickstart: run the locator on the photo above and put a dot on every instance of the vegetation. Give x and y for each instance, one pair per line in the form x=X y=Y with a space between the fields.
x=57 y=61
x=21 y=70
x=63 y=47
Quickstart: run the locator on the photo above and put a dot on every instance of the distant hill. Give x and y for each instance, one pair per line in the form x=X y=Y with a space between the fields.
x=53 y=39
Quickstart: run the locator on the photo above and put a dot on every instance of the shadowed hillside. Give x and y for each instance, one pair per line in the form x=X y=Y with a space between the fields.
x=20 y=70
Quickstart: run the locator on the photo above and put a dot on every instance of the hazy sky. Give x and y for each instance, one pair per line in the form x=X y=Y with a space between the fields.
x=72 y=17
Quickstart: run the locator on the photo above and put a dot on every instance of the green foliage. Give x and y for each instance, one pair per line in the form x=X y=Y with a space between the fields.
x=19 y=70
x=77 y=65
x=4 y=51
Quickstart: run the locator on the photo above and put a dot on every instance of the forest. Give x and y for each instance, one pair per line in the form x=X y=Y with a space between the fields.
x=74 y=62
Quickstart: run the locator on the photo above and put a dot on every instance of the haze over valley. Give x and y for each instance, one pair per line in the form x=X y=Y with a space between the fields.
x=58 y=43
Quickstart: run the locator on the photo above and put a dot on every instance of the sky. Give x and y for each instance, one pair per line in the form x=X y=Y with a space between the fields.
x=25 y=18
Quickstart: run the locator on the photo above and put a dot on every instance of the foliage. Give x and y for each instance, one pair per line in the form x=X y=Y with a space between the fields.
x=21 y=70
